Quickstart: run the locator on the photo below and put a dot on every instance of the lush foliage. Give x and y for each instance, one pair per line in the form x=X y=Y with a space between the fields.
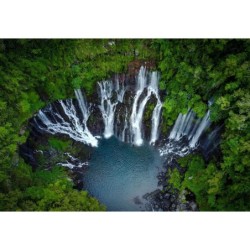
x=32 y=74
x=194 y=71
x=36 y=72
x=43 y=191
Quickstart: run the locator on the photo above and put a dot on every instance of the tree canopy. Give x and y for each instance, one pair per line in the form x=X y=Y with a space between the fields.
x=193 y=72
x=34 y=73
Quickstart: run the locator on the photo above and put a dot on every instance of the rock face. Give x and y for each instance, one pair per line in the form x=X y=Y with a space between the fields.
x=166 y=198
x=95 y=121
x=168 y=201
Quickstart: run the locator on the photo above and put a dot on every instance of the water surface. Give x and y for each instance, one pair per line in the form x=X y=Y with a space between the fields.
x=120 y=174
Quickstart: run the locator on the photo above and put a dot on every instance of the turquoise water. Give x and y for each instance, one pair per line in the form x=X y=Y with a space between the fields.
x=120 y=174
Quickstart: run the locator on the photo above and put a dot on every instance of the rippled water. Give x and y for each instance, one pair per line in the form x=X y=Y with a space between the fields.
x=120 y=174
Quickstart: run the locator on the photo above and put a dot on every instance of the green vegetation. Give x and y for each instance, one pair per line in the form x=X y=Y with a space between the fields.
x=43 y=191
x=193 y=71
x=58 y=144
x=34 y=73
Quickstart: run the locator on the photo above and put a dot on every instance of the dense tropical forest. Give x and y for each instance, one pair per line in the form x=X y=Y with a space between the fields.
x=34 y=73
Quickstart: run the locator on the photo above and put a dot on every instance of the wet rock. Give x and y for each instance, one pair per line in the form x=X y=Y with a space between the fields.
x=183 y=207
x=166 y=204
x=166 y=196
x=173 y=206
x=160 y=183
x=161 y=197
x=154 y=194
x=145 y=196
x=148 y=207
x=137 y=200
x=172 y=199
x=193 y=206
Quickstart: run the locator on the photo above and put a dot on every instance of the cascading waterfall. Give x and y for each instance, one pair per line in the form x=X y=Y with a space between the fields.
x=123 y=122
x=82 y=104
x=65 y=119
x=138 y=108
x=157 y=110
x=107 y=107
x=67 y=123
x=109 y=103
x=186 y=126
x=72 y=162
x=123 y=137
x=119 y=89
x=86 y=113
x=182 y=126
x=122 y=106
x=202 y=126
x=113 y=93
x=135 y=120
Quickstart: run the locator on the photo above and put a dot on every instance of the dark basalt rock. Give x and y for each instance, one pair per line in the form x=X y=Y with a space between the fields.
x=95 y=121
x=168 y=199
x=137 y=200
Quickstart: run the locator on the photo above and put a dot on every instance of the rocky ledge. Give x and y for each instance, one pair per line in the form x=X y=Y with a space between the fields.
x=167 y=198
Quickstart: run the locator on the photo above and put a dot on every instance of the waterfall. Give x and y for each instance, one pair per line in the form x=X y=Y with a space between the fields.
x=123 y=136
x=107 y=107
x=85 y=112
x=155 y=122
x=189 y=122
x=125 y=122
x=202 y=126
x=157 y=110
x=182 y=126
x=195 y=126
x=67 y=123
x=111 y=94
x=187 y=125
x=139 y=107
x=82 y=104
x=175 y=128
x=135 y=119
x=120 y=89
x=72 y=162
